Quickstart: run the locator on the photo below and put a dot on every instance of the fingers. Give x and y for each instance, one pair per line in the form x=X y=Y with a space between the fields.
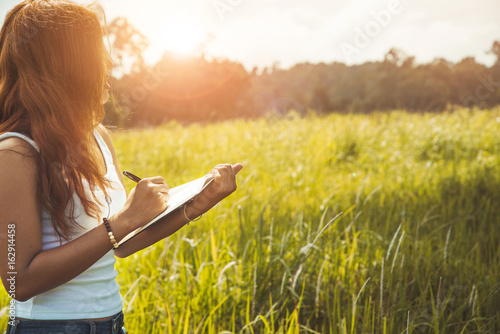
x=221 y=173
x=162 y=189
x=166 y=197
x=224 y=177
x=148 y=198
x=156 y=179
x=232 y=169
x=155 y=184
x=236 y=168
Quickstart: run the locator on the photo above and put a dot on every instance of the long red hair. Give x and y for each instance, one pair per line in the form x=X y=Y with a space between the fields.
x=53 y=68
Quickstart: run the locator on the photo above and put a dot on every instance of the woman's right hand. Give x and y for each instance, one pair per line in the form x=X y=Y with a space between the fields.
x=146 y=201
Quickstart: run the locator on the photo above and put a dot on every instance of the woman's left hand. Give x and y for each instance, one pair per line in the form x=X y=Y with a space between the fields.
x=223 y=185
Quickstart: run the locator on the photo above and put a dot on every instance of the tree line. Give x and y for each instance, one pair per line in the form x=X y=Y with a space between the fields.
x=202 y=88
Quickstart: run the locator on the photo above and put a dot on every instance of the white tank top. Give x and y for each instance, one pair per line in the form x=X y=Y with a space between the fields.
x=95 y=292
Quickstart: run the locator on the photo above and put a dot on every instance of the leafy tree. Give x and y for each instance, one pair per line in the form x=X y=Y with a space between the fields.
x=194 y=89
x=495 y=49
x=128 y=44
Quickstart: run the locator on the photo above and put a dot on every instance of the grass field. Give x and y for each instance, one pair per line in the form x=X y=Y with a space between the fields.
x=416 y=248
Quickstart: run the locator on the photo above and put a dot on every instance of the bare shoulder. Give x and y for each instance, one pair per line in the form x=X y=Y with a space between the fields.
x=20 y=203
x=14 y=146
x=17 y=162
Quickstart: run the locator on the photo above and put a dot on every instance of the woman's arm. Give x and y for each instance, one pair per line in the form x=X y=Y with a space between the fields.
x=223 y=185
x=37 y=271
x=26 y=270
x=171 y=223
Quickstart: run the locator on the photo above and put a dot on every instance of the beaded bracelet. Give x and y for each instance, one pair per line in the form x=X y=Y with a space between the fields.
x=110 y=233
x=188 y=219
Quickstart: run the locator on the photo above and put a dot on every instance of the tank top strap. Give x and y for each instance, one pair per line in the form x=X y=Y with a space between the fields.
x=22 y=136
x=102 y=144
x=108 y=157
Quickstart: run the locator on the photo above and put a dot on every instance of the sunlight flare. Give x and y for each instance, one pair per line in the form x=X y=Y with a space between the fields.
x=182 y=35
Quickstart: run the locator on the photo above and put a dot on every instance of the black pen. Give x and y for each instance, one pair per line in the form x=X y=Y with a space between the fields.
x=131 y=176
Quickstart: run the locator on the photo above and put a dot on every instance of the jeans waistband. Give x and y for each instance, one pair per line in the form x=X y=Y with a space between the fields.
x=116 y=323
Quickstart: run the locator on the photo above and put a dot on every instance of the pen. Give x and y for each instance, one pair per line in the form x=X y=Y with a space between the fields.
x=131 y=176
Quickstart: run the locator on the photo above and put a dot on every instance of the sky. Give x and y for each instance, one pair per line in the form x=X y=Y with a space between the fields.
x=259 y=33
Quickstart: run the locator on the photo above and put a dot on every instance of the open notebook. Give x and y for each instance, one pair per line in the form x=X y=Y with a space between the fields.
x=178 y=196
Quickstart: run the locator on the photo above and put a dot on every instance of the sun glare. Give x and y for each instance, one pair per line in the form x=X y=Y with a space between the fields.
x=182 y=35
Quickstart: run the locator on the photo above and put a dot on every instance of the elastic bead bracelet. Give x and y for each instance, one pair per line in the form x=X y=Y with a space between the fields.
x=110 y=233
x=187 y=218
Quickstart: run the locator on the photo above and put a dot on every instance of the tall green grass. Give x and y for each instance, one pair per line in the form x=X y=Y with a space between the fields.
x=415 y=249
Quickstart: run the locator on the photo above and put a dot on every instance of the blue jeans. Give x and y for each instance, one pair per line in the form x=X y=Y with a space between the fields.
x=110 y=326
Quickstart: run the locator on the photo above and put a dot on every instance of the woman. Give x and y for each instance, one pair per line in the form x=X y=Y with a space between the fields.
x=63 y=202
